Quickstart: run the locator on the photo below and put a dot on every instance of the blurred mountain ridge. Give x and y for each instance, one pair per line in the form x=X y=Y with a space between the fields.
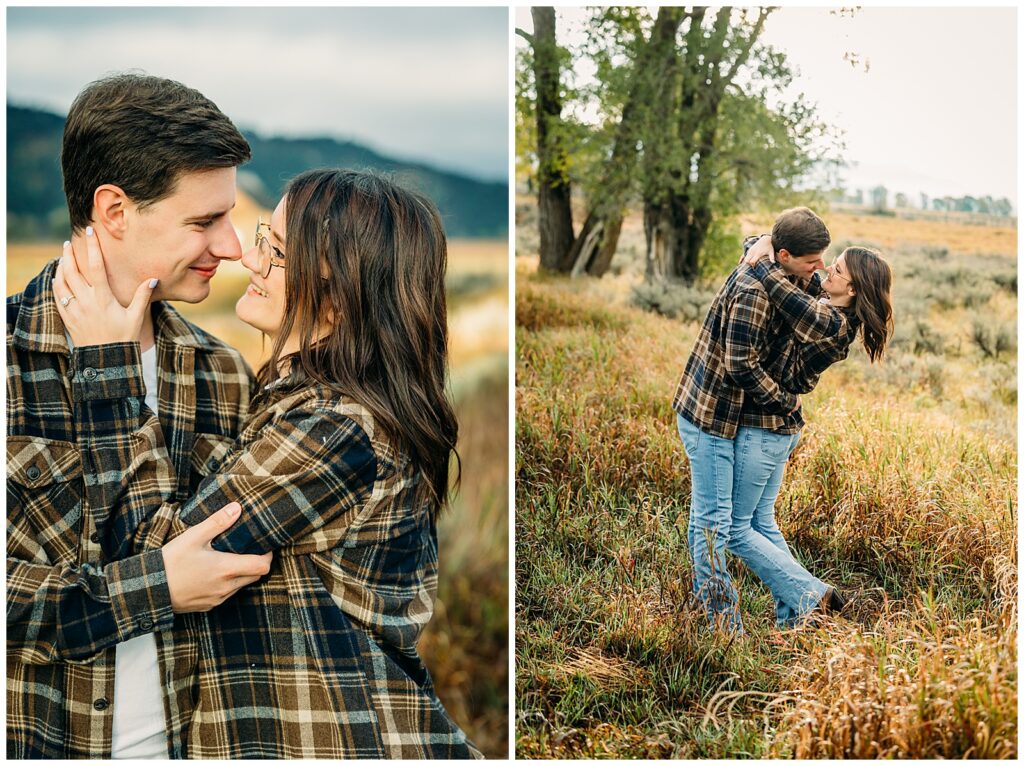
x=36 y=206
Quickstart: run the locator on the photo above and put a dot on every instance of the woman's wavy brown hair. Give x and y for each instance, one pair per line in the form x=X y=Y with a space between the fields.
x=871 y=279
x=368 y=258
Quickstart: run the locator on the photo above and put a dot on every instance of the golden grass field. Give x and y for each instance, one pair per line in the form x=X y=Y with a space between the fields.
x=902 y=492
x=465 y=646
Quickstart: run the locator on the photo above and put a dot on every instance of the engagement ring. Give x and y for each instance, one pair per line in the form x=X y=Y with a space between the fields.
x=65 y=301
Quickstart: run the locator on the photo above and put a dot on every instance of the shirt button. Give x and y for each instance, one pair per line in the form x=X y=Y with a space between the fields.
x=145 y=623
x=95 y=537
x=33 y=472
x=101 y=704
x=89 y=373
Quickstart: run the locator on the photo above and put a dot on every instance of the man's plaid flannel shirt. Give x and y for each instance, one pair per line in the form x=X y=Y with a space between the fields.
x=70 y=597
x=318 y=659
x=749 y=340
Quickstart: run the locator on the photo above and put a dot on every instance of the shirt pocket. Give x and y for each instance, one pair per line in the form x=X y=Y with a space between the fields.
x=44 y=499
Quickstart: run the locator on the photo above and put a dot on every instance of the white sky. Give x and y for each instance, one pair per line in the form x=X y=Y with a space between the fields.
x=935 y=113
x=427 y=84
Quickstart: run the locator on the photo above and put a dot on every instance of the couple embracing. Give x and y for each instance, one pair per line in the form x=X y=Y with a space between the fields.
x=772 y=329
x=203 y=562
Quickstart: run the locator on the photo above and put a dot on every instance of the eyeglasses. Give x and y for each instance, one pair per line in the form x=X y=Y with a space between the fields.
x=834 y=272
x=267 y=260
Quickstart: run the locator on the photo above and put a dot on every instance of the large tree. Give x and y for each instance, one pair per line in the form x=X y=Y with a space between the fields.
x=686 y=131
x=678 y=179
x=629 y=90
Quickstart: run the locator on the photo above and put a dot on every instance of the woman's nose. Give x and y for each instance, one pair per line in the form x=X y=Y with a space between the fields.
x=251 y=258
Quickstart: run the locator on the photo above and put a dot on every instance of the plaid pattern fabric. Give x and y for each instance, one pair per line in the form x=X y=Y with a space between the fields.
x=69 y=600
x=816 y=335
x=808 y=360
x=318 y=659
x=747 y=339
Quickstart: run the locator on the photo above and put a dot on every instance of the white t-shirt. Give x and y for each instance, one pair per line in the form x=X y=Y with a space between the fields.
x=139 y=727
x=140 y=730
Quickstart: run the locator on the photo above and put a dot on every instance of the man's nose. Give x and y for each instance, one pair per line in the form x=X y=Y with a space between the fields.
x=225 y=244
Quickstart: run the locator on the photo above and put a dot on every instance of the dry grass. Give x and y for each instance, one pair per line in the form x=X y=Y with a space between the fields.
x=902 y=492
x=892 y=233
x=924 y=686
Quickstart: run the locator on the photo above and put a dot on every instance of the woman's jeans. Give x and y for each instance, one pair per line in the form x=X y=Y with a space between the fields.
x=734 y=486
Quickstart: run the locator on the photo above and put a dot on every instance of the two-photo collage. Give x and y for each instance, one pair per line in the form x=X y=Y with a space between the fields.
x=511 y=383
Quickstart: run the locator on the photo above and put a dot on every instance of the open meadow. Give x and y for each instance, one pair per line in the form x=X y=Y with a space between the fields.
x=465 y=645
x=902 y=492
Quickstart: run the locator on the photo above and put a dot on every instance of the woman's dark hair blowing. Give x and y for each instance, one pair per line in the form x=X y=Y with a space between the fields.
x=871 y=278
x=369 y=257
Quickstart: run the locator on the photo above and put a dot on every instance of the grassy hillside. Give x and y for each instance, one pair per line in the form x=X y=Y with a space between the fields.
x=902 y=492
x=465 y=645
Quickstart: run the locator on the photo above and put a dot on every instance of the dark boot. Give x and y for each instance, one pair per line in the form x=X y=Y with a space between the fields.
x=836 y=603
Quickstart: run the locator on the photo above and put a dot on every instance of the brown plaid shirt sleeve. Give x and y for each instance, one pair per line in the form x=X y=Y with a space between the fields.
x=72 y=613
x=809 y=360
x=810 y=319
x=746 y=324
x=823 y=332
x=306 y=469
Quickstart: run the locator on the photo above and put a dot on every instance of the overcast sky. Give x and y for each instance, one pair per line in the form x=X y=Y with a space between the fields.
x=428 y=84
x=936 y=110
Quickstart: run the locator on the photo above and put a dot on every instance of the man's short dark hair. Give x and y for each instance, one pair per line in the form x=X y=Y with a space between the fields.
x=800 y=231
x=142 y=133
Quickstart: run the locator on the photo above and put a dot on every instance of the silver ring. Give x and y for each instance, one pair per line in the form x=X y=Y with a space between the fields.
x=65 y=301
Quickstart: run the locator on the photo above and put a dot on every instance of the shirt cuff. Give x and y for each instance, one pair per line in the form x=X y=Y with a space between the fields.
x=139 y=597
x=788 y=402
x=110 y=371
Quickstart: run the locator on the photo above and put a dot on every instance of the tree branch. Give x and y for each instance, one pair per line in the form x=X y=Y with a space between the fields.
x=744 y=53
x=525 y=35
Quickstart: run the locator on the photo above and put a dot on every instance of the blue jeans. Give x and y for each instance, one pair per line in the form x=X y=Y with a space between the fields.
x=711 y=480
x=734 y=483
x=760 y=461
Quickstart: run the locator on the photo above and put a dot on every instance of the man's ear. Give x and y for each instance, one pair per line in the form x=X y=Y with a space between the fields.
x=110 y=207
x=782 y=255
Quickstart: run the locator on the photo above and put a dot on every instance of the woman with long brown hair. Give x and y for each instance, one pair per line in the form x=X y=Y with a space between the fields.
x=341 y=471
x=856 y=293
x=857 y=284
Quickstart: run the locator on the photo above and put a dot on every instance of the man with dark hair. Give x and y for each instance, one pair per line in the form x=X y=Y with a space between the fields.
x=93 y=667
x=738 y=424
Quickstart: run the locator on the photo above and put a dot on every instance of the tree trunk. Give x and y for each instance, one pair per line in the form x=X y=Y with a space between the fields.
x=554 y=192
x=595 y=246
x=602 y=260
x=671 y=237
x=594 y=254
x=689 y=230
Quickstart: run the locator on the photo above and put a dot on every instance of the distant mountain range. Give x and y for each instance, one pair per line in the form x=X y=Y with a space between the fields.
x=35 y=195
